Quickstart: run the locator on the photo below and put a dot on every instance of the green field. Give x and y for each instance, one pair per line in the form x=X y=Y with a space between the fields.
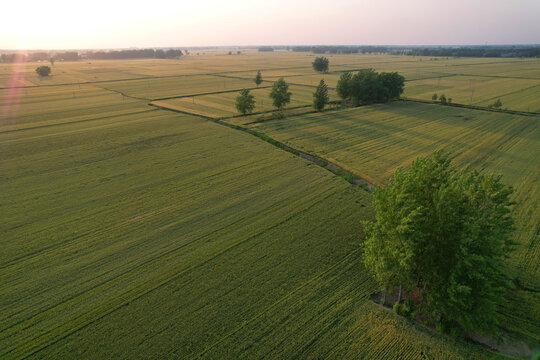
x=135 y=232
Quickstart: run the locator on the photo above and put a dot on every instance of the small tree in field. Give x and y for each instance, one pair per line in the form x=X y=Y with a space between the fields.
x=280 y=94
x=43 y=70
x=258 y=78
x=343 y=87
x=442 y=99
x=496 y=105
x=320 y=64
x=245 y=102
x=443 y=233
x=320 y=96
x=434 y=97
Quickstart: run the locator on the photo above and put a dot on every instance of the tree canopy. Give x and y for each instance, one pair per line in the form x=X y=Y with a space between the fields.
x=280 y=94
x=258 y=78
x=245 y=102
x=43 y=70
x=443 y=234
x=320 y=64
x=368 y=87
x=320 y=96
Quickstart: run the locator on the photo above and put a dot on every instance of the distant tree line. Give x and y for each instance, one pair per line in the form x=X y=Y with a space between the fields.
x=341 y=49
x=134 y=54
x=97 y=55
x=488 y=51
x=266 y=49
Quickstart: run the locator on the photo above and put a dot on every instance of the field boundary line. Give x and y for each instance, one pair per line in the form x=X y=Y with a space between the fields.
x=317 y=160
x=149 y=77
x=473 y=107
x=76 y=121
x=209 y=93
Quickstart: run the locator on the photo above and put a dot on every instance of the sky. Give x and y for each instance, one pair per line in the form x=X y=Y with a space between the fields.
x=73 y=24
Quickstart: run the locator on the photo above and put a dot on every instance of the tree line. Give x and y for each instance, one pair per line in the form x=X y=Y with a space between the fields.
x=488 y=51
x=95 y=55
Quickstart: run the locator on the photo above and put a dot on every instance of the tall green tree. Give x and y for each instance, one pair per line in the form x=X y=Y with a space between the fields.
x=320 y=96
x=258 y=78
x=280 y=94
x=442 y=99
x=343 y=87
x=444 y=234
x=320 y=64
x=245 y=102
x=394 y=83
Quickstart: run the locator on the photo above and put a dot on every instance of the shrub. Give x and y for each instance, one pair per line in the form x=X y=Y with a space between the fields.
x=43 y=70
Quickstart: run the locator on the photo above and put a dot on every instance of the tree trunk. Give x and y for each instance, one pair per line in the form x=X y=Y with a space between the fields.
x=399 y=296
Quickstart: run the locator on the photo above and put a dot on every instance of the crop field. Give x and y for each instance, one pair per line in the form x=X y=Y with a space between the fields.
x=222 y=105
x=519 y=94
x=151 y=222
x=130 y=231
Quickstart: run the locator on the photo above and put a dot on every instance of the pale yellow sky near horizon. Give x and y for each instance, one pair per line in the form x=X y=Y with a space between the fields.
x=118 y=24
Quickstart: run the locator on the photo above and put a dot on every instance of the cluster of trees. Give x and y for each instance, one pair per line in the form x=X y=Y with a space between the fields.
x=368 y=87
x=478 y=51
x=67 y=56
x=442 y=99
x=266 y=49
x=167 y=54
x=320 y=64
x=441 y=235
x=13 y=58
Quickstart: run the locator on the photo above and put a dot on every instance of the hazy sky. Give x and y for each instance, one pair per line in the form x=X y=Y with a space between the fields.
x=63 y=24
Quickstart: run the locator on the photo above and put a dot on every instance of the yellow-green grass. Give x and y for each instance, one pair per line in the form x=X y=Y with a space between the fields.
x=373 y=141
x=223 y=104
x=46 y=106
x=521 y=94
x=157 y=88
x=158 y=235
